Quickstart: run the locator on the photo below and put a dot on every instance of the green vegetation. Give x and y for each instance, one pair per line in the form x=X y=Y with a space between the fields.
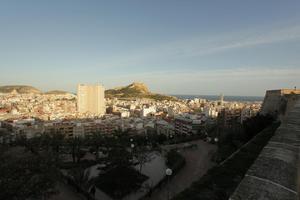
x=25 y=175
x=220 y=182
x=81 y=178
x=44 y=156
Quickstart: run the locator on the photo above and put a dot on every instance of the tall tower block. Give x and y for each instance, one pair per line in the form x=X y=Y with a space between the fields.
x=90 y=99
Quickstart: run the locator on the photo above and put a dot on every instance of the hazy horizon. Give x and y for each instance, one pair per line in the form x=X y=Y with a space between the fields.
x=238 y=48
x=183 y=94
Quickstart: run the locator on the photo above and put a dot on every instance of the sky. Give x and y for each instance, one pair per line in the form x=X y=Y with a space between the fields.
x=202 y=47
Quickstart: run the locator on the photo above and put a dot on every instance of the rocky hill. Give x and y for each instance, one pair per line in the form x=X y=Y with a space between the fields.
x=22 y=89
x=135 y=90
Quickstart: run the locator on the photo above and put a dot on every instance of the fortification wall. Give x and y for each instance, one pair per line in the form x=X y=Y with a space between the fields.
x=275 y=175
x=279 y=102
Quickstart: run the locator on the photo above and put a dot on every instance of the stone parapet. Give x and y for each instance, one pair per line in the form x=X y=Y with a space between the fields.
x=275 y=175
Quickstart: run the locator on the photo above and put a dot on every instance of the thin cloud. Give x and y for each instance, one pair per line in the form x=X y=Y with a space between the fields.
x=199 y=46
x=275 y=36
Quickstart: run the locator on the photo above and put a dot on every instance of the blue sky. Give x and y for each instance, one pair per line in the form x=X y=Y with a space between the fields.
x=174 y=46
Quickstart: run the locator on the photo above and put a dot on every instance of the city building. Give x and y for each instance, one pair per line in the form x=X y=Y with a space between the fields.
x=221 y=100
x=165 y=128
x=90 y=99
x=229 y=117
x=210 y=112
x=147 y=111
x=187 y=125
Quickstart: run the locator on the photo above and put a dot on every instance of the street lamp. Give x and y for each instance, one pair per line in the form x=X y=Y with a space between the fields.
x=216 y=140
x=132 y=146
x=168 y=173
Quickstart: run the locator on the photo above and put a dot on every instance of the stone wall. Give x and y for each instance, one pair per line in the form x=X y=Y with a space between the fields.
x=280 y=102
x=275 y=175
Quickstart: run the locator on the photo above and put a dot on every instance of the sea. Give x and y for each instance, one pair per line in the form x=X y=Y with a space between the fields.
x=226 y=98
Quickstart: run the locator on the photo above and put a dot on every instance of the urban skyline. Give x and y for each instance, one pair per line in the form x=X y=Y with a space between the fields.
x=149 y=100
x=211 y=48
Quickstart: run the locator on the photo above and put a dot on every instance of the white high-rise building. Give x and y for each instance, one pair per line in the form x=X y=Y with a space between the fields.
x=221 y=99
x=90 y=99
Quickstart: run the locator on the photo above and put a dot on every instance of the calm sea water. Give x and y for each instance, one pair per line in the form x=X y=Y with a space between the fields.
x=226 y=98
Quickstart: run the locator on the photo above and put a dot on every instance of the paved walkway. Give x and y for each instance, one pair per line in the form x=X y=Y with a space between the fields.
x=198 y=161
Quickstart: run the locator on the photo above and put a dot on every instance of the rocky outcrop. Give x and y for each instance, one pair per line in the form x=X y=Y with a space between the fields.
x=135 y=90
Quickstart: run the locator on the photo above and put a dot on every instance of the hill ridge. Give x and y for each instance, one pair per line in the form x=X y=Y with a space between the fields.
x=22 y=89
x=135 y=90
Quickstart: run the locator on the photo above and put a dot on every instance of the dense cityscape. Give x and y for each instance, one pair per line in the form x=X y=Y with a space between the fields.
x=31 y=114
x=91 y=135
x=149 y=100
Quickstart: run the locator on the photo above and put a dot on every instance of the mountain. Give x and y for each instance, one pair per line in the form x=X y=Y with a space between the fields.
x=136 y=90
x=22 y=89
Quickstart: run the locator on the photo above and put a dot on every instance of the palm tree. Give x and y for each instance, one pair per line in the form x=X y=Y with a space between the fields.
x=82 y=178
x=143 y=156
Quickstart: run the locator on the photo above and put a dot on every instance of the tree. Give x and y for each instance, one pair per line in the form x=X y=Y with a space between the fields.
x=119 y=156
x=143 y=156
x=33 y=144
x=97 y=141
x=56 y=142
x=76 y=144
x=82 y=178
x=25 y=175
x=5 y=136
x=46 y=142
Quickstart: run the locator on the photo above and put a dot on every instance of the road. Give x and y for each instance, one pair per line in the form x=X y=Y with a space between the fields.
x=198 y=161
